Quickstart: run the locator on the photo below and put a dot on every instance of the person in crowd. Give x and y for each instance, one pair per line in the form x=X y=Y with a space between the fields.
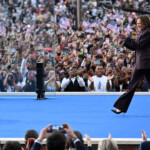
x=30 y=84
x=114 y=81
x=2 y=77
x=99 y=82
x=89 y=142
x=51 y=84
x=56 y=140
x=74 y=82
x=145 y=145
x=12 y=145
x=70 y=143
x=108 y=144
x=11 y=83
x=28 y=28
x=30 y=136
x=142 y=67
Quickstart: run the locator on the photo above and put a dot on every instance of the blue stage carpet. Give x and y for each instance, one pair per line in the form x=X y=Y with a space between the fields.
x=88 y=114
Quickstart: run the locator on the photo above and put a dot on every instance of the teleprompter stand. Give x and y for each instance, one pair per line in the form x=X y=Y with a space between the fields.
x=40 y=82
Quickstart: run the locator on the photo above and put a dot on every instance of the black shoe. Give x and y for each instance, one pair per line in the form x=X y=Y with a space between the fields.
x=117 y=112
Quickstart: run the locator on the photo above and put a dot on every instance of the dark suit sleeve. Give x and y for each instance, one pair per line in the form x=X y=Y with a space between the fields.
x=79 y=145
x=142 y=41
x=144 y=146
x=89 y=148
x=128 y=45
x=36 y=146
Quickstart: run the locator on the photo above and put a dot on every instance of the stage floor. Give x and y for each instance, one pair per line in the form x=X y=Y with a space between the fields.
x=87 y=113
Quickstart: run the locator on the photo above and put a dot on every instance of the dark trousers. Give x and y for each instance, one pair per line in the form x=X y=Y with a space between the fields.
x=124 y=100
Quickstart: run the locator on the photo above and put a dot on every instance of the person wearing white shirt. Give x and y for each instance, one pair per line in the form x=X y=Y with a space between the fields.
x=74 y=82
x=99 y=82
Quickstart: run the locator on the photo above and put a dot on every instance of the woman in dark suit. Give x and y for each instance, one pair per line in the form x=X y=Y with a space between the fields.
x=141 y=46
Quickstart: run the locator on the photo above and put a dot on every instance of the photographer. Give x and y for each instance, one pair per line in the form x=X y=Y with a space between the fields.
x=74 y=82
x=56 y=140
x=11 y=83
x=51 y=85
x=30 y=84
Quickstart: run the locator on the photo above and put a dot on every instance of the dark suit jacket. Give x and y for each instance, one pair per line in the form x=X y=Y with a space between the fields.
x=78 y=145
x=36 y=146
x=141 y=45
x=144 y=146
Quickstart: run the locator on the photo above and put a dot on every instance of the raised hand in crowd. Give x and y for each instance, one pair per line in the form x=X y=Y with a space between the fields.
x=145 y=145
x=144 y=136
x=45 y=132
x=88 y=140
x=110 y=136
x=109 y=77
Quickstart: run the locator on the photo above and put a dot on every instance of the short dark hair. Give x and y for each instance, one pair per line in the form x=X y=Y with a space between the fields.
x=31 y=134
x=12 y=145
x=99 y=65
x=56 y=141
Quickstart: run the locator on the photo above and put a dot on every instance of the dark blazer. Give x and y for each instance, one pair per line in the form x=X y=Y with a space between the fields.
x=78 y=145
x=144 y=146
x=36 y=146
x=141 y=45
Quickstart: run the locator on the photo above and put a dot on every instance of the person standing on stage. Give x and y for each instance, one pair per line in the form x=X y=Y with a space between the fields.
x=141 y=46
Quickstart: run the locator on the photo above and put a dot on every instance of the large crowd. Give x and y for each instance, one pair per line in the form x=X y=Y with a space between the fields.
x=84 y=57
x=75 y=58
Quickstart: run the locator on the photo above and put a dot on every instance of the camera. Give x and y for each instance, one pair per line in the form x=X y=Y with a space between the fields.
x=65 y=53
x=98 y=57
x=69 y=41
x=65 y=49
x=96 y=39
x=78 y=44
x=69 y=62
x=88 y=66
x=10 y=77
x=112 y=65
x=74 y=69
x=82 y=56
x=33 y=61
x=56 y=128
x=71 y=47
x=8 y=67
x=130 y=72
x=97 y=62
x=21 y=46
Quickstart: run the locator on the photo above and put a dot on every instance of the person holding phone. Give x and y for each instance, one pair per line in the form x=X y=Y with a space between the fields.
x=56 y=139
x=141 y=45
x=74 y=82
x=51 y=85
